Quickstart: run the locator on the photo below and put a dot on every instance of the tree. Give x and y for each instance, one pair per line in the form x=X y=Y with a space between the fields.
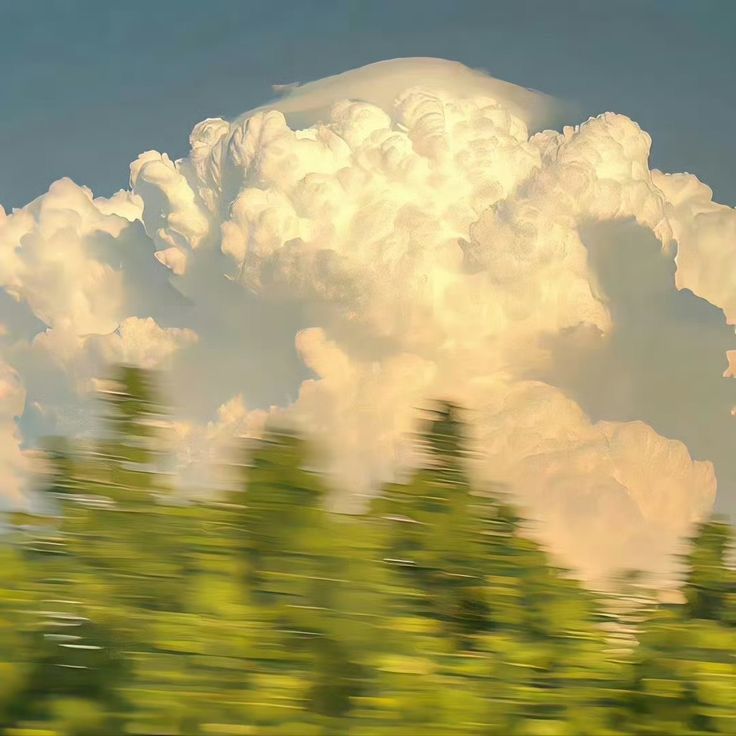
x=126 y=609
x=710 y=576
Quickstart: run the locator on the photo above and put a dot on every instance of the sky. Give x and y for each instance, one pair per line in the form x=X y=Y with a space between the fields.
x=401 y=231
x=87 y=86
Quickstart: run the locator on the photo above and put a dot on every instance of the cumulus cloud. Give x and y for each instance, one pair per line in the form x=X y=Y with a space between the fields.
x=14 y=465
x=371 y=241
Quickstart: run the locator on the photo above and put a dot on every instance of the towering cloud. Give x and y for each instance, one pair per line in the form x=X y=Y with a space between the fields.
x=369 y=242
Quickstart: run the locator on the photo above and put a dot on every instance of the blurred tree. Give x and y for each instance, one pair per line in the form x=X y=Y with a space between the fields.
x=432 y=533
x=684 y=677
x=710 y=575
x=126 y=609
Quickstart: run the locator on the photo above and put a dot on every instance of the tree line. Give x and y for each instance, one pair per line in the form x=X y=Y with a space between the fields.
x=126 y=609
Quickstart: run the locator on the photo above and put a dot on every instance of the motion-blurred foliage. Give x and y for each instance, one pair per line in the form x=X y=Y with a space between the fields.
x=125 y=609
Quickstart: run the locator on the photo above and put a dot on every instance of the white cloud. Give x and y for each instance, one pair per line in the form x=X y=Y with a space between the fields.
x=432 y=245
x=14 y=465
x=379 y=84
x=49 y=262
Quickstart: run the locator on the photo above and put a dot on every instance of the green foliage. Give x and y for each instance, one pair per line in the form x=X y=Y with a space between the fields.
x=128 y=610
x=710 y=583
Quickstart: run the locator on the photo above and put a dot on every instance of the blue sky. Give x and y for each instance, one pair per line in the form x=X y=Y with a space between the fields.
x=87 y=85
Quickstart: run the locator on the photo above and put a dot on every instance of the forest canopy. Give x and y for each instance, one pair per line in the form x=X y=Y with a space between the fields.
x=128 y=609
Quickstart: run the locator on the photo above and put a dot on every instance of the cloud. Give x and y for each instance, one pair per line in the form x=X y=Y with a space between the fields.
x=380 y=238
x=14 y=465
x=381 y=83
